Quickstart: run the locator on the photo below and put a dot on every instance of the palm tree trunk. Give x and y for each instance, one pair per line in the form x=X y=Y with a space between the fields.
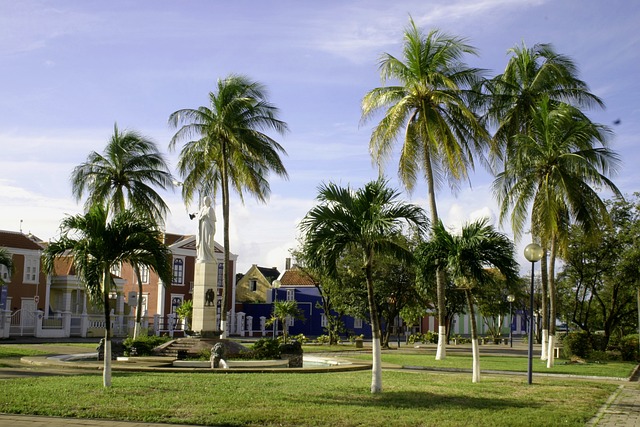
x=441 y=352
x=106 y=287
x=376 y=368
x=552 y=301
x=475 y=348
x=226 y=289
x=138 y=325
x=544 y=304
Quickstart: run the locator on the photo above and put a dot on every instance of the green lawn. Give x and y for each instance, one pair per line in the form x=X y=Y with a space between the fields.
x=505 y=363
x=336 y=399
x=410 y=398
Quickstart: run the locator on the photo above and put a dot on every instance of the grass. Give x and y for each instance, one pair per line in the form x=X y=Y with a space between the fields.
x=506 y=363
x=410 y=398
x=337 y=399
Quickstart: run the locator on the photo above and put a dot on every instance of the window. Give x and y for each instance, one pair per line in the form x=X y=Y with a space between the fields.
x=220 y=274
x=290 y=320
x=176 y=301
x=357 y=323
x=31 y=269
x=178 y=271
x=323 y=321
x=144 y=274
x=253 y=285
x=291 y=294
x=4 y=274
x=116 y=270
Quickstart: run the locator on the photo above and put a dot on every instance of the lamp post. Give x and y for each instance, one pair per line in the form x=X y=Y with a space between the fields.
x=511 y=298
x=533 y=253
x=275 y=285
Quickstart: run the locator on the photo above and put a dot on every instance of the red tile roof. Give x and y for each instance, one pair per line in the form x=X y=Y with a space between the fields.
x=12 y=239
x=296 y=277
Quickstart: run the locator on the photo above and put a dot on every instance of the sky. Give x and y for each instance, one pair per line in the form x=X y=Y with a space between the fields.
x=70 y=70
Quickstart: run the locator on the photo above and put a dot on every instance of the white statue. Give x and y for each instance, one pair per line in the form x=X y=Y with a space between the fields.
x=206 y=231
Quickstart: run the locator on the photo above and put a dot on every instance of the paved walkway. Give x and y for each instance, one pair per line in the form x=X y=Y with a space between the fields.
x=622 y=409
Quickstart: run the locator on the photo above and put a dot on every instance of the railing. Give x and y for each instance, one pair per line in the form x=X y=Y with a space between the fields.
x=23 y=323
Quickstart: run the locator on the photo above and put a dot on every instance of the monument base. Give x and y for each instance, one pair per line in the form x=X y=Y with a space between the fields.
x=205 y=300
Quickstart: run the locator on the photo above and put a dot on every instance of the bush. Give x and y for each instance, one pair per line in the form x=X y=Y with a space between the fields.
x=583 y=344
x=292 y=347
x=323 y=339
x=628 y=347
x=265 y=348
x=144 y=345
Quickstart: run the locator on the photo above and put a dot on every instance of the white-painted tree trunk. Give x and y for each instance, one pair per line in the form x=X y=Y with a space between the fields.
x=376 y=368
x=545 y=342
x=441 y=352
x=223 y=328
x=106 y=373
x=136 y=330
x=475 y=350
x=550 y=356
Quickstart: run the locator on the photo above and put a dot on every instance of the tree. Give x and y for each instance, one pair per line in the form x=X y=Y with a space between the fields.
x=6 y=259
x=600 y=273
x=554 y=169
x=283 y=311
x=532 y=75
x=430 y=107
x=367 y=219
x=97 y=245
x=467 y=259
x=225 y=147
x=124 y=176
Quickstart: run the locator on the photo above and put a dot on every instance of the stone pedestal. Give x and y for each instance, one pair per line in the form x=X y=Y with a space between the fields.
x=204 y=299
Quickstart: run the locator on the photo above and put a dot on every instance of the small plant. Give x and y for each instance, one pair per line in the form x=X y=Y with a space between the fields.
x=323 y=339
x=266 y=349
x=143 y=345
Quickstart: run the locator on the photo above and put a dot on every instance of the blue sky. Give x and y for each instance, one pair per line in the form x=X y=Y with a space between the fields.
x=71 y=69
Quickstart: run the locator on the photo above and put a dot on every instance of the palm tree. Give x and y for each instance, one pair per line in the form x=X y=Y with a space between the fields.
x=531 y=75
x=468 y=259
x=125 y=176
x=96 y=245
x=282 y=310
x=553 y=170
x=226 y=147
x=6 y=259
x=431 y=108
x=366 y=220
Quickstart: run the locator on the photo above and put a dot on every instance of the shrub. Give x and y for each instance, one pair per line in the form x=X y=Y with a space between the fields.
x=266 y=348
x=628 y=347
x=292 y=347
x=144 y=345
x=323 y=339
x=576 y=344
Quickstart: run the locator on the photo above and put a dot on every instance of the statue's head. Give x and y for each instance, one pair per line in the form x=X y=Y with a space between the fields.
x=207 y=201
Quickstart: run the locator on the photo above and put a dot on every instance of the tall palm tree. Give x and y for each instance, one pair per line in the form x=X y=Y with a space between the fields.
x=430 y=107
x=96 y=245
x=553 y=169
x=366 y=220
x=468 y=259
x=226 y=147
x=532 y=74
x=6 y=259
x=124 y=176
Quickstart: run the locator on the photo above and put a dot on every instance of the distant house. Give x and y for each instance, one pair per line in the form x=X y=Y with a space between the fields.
x=255 y=285
x=26 y=289
x=63 y=301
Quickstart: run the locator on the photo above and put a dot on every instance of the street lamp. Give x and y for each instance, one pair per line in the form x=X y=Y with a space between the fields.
x=533 y=253
x=275 y=285
x=511 y=298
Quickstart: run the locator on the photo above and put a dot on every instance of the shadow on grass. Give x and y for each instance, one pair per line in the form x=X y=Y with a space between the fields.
x=420 y=400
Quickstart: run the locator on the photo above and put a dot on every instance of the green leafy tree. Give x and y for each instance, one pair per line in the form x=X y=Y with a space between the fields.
x=467 y=259
x=282 y=311
x=554 y=169
x=6 y=259
x=367 y=219
x=430 y=108
x=532 y=75
x=97 y=245
x=124 y=176
x=225 y=148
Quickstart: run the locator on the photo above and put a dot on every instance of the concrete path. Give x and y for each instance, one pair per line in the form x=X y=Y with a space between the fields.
x=32 y=421
x=622 y=409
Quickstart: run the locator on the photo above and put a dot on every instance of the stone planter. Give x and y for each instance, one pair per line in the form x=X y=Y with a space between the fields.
x=295 y=360
x=359 y=344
